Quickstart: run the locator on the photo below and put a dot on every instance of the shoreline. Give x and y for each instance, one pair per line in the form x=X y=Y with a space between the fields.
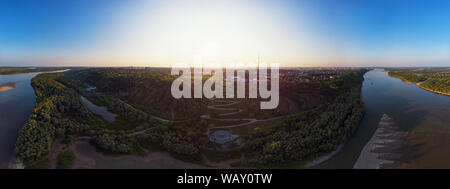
x=13 y=163
x=420 y=86
x=431 y=90
x=323 y=158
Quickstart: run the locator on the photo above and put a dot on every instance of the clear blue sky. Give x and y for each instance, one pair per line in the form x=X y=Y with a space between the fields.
x=302 y=33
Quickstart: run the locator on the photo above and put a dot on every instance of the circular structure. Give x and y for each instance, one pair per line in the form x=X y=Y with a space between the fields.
x=220 y=136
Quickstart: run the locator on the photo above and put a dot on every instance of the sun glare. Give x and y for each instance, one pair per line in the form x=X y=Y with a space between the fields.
x=223 y=32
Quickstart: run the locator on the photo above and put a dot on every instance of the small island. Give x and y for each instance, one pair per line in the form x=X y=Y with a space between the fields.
x=7 y=86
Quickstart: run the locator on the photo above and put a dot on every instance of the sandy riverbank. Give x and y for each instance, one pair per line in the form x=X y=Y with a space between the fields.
x=382 y=150
x=7 y=86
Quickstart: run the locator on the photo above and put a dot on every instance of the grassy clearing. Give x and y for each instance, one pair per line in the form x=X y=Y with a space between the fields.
x=148 y=145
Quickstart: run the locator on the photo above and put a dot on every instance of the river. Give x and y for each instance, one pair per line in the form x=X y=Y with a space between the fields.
x=423 y=116
x=16 y=105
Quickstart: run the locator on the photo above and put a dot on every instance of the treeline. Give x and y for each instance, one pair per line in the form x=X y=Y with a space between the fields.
x=433 y=79
x=183 y=139
x=437 y=85
x=408 y=76
x=316 y=131
x=7 y=71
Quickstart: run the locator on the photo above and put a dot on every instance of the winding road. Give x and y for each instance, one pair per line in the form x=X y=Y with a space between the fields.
x=249 y=120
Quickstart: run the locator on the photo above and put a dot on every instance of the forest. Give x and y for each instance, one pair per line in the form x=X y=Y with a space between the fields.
x=319 y=130
x=433 y=79
x=58 y=111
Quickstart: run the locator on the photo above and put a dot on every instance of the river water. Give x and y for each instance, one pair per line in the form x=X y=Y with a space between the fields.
x=424 y=117
x=16 y=106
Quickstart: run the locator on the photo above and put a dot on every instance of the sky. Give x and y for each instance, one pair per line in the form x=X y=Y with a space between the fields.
x=165 y=32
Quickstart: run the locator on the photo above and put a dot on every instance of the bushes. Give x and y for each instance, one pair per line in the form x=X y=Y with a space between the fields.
x=113 y=143
x=65 y=160
x=168 y=140
x=34 y=141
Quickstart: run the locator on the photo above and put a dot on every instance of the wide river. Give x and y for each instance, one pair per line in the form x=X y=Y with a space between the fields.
x=16 y=105
x=424 y=117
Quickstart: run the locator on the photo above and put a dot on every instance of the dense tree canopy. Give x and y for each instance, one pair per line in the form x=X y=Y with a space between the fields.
x=433 y=79
x=58 y=110
x=319 y=130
